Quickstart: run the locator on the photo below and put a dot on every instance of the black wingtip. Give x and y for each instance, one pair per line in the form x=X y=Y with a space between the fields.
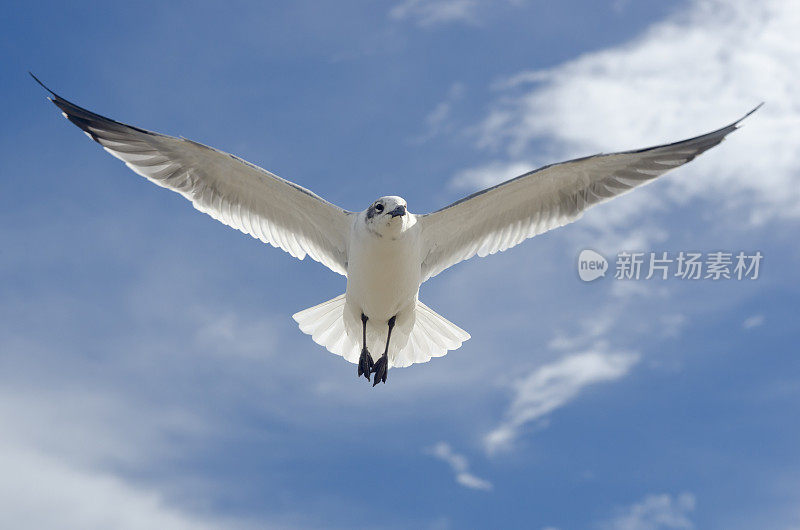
x=43 y=85
x=740 y=120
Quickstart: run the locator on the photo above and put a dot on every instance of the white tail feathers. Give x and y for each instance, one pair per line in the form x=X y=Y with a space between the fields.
x=325 y=324
x=430 y=334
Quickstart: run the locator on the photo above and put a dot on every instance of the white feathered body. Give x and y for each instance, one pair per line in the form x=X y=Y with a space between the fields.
x=384 y=257
x=383 y=271
x=383 y=278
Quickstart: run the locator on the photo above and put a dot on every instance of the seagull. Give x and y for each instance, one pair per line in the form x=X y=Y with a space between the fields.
x=385 y=251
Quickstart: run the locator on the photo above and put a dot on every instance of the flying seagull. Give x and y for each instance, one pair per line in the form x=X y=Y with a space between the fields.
x=385 y=251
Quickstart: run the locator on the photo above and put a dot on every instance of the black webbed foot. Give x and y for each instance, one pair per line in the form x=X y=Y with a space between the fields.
x=365 y=364
x=381 y=368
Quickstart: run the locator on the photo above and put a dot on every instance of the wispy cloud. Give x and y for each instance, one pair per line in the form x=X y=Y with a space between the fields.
x=753 y=321
x=439 y=120
x=460 y=466
x=232 y=334
x=489 y=174
x=429 y=13
x=434 y=12
x=683 y=76
x=656 y=512
x=554 y=385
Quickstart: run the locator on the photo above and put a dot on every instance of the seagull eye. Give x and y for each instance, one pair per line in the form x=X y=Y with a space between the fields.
x=378 y=207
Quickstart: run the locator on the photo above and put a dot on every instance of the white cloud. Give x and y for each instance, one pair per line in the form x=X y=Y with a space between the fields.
x=552 y=386
x=460 y=466
x=656 y=512
x=672 y=325
x=439 y=120
x=590 y=331
x=428 y=13
x=686 y=75
x=91 y=426
x=489 y=174
x=38 y=491
x=230 y=333
x=66 y=442
x=753 y=321
x=91 y=440
x=433 y=12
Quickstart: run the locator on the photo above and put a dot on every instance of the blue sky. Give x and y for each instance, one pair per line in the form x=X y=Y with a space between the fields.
x=151 y=375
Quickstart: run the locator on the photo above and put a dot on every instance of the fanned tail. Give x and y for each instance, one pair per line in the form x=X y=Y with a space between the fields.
x=325 y=323
x=430 y=334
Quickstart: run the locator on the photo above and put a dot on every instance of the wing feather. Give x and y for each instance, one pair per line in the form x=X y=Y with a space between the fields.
x=503 y=216
x=227 y=188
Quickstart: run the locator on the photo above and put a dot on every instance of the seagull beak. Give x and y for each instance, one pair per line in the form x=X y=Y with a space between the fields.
x=398 y=212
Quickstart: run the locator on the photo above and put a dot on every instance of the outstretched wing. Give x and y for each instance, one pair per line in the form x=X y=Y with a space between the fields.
x=226 y=187
x=503 y=216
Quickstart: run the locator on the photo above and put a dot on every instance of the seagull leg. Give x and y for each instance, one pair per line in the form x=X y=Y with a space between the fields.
x=365 y=364
x=382 y=365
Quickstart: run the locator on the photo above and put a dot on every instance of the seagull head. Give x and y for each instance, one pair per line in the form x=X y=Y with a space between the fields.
x=387 y=215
